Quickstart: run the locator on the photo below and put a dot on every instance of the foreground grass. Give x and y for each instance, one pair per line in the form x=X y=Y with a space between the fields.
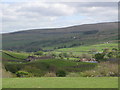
x=61 y=82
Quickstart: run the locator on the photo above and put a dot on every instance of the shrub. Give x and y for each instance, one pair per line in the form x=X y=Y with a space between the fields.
x=61 y=56
x=37 y=72
x=90 y=73
x=61 y=73
x=22 y=73
x=108 y=69
x=13 y=67
x=65 y=54
x=99 y=56
x=54 y=55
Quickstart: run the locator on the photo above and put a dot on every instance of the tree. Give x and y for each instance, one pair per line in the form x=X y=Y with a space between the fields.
x=61 y=55
x=118 y=55
x=99 y=56
x=61 y=73
x=54 y=55
x=67 y=58
x=114 y=49
x=110 y=54
x=65 y=54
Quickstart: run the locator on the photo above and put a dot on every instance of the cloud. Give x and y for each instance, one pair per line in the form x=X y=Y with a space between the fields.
x=26 y=15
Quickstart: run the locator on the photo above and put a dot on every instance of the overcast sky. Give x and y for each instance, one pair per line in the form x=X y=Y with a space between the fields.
x=18 y=16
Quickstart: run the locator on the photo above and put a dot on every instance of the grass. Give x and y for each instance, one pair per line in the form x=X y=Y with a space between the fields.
x=61 y=82
x=85 y=49
x=64 y=64
x=4 y=56
x=99 y=47
x=21 y=55
x=77 y=51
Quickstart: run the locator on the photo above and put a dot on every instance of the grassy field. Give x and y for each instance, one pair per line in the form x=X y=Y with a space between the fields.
x=98 y=47
x=77 y=51
x=85 y=49
x=61 y=82
x=21 y=55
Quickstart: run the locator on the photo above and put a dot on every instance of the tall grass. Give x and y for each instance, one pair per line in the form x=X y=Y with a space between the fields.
x=103 y=69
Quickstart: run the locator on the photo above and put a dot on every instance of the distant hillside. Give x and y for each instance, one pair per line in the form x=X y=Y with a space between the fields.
x=49 y=39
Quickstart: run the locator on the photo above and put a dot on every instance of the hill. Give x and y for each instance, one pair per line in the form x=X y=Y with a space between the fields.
x=56 y=38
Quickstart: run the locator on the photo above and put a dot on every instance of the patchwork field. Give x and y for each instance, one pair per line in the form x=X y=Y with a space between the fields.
x=14 y=62
x=75 y=50
x=61 y=82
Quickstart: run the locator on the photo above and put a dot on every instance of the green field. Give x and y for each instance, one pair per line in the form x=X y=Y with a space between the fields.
x=21 y=55
x=79 y=50
x=98 y=47
x=55 y=82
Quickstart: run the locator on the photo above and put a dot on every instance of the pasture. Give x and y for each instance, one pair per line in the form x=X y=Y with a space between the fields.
x=61 y=82
x=87 y=48
x=79 y=50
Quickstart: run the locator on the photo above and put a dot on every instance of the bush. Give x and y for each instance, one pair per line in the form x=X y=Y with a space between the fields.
x=61 y=73
x=65 y=54
x=37 y=72
x=90 y=73
x=99 y=56
x=108 y=69
x=13 y=67
x=22 y=73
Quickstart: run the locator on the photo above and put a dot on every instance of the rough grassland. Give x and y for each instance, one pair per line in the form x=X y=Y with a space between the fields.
x=61 y=82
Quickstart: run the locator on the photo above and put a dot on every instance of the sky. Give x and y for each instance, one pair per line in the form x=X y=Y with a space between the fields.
x=17 y=16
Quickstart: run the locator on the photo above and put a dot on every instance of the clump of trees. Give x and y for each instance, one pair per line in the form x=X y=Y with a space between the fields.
x=107 y=54
x=64 y=55
x=99 y=56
